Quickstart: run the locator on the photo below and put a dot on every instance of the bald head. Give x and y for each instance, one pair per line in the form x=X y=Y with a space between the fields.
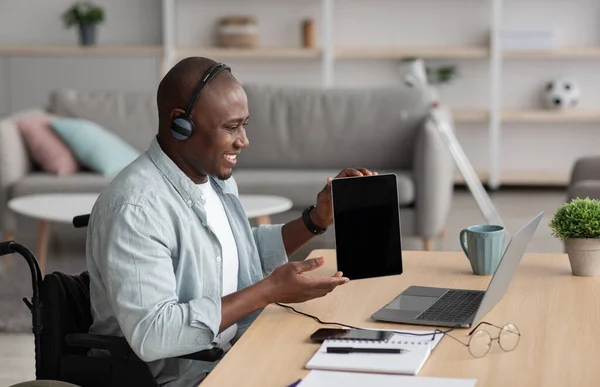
x=219 y=117
x=177 y=87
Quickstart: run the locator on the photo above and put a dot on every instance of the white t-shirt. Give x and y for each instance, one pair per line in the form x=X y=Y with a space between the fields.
x=218 y=222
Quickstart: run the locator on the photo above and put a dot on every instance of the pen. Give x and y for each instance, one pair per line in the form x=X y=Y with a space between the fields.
x=364 y=350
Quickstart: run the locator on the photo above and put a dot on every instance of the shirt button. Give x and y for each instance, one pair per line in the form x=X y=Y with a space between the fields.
x=219 y=259
x=189 y=202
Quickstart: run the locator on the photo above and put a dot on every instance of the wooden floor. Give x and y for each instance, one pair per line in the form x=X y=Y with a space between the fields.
x=515 y=207
x=17 y=362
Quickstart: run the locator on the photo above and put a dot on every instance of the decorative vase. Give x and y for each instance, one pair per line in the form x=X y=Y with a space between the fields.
x=308 y=34
x=87 y=35
x=584 y=256
x=238 y=32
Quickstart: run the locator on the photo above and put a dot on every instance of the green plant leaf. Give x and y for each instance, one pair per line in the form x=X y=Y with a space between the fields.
x=82 y=13
x=579 y=218
x=441 y=75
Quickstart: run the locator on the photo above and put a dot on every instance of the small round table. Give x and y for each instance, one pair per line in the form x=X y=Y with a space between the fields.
x=261 y=207
x=62 y=208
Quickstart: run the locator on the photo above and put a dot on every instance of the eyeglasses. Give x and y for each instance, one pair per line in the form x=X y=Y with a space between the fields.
x=480 y=341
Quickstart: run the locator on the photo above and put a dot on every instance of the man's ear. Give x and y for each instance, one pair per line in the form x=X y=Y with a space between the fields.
x=177 y=112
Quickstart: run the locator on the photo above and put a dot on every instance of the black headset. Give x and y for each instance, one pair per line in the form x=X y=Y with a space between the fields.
x=182 y=127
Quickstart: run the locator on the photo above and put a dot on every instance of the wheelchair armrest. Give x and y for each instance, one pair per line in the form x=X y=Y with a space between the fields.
x=118 y=346
x=208 y=355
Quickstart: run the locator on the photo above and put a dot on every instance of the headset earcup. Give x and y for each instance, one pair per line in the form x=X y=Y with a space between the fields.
x=182 y=128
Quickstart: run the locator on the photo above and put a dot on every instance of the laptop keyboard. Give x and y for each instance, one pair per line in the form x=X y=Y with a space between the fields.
x=454 y=306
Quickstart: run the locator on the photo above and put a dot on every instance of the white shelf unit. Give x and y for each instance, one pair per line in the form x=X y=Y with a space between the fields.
x=559 y=53
x=327 y=52
x=259 y=53
x=492 y=118
x=403 y=52
x=519 y=178
x=70 y=50
x=330 y=55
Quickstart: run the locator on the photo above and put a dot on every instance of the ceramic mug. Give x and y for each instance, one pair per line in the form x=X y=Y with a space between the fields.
x=484 y=247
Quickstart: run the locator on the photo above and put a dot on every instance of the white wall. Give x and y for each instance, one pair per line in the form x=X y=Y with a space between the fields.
x=26 y=81
x=411 y=22
x=4 y=88
x=549 y=147
x=31 y=81
x=279 y=26
x=279 y=21
x=357 y=23
x=575 y=21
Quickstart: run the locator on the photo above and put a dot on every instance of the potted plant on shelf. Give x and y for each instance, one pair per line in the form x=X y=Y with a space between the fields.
x=577 y=223
x=86 y=16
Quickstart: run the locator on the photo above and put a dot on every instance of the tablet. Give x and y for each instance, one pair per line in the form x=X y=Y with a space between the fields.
x=366 y=217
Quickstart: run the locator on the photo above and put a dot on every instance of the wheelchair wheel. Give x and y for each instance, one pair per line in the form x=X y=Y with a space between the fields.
x=44 y=383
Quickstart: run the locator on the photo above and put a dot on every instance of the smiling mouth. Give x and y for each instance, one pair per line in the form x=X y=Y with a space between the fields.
x=231 y=159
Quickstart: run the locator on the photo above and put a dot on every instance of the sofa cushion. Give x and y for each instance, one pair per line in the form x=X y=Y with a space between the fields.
x=131 y=115
x=39 y=183
x=94 y=147
x=584 y=189
x=315 y=128
x=44 y=146
x=302 y=186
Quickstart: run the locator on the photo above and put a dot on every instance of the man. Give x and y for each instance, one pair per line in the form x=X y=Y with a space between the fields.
x=174 y=265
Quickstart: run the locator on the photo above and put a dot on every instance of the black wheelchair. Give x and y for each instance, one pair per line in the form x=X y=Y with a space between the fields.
x=61 y=318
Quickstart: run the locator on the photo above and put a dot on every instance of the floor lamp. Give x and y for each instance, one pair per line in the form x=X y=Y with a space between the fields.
x=414 y=75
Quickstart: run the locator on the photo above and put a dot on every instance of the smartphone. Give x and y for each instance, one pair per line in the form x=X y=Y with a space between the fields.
x=350 y=334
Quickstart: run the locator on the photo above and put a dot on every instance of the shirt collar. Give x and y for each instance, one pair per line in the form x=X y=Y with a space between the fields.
x=180 y=181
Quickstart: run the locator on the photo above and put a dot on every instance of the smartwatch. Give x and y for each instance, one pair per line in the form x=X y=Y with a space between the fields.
x=309 y=223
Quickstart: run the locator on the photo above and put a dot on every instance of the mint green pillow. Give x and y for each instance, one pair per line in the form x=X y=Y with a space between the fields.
x=94 y=146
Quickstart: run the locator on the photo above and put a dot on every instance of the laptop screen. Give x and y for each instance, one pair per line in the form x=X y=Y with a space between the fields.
x=367 y=226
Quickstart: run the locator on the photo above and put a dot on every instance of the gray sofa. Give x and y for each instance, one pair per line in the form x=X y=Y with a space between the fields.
x=585 y=179
x=298 y=138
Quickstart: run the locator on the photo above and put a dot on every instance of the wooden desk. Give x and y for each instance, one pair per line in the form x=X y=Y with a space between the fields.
x=557 y=313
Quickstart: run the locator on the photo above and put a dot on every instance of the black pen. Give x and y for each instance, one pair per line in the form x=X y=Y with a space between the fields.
x=364 y=350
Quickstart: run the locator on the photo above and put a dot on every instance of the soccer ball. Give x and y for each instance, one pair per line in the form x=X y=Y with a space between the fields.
x=561 y=94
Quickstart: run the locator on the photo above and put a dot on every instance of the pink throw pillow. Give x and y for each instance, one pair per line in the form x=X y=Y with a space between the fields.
x=45 y=147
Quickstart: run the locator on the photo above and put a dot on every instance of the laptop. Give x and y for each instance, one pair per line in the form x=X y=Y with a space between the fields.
x=446 y=307
x=366 y=218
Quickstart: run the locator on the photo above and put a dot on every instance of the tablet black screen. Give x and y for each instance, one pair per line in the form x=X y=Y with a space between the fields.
x=367 y=226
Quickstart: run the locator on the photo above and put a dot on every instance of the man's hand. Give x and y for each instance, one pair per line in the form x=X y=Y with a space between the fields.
x=322 y=215
x=287 y=283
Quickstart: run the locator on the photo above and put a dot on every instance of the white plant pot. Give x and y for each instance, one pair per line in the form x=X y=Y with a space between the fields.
x=584 y=256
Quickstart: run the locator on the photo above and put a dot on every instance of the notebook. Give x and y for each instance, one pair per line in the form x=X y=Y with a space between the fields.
x=353 y=379
x=407 y=363
x=427 y=337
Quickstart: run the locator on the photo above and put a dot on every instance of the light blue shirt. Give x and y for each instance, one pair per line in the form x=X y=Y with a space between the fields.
x=155 y=265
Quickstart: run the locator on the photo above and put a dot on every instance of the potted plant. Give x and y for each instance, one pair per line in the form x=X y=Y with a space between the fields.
x=86 y=16
x=577 y=223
